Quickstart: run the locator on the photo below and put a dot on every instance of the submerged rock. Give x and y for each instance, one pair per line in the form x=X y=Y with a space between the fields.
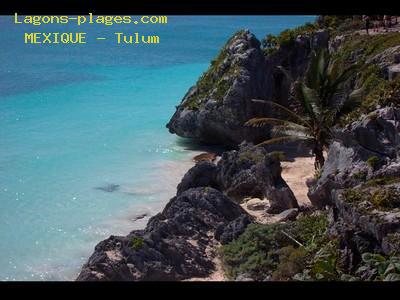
x=109 y=188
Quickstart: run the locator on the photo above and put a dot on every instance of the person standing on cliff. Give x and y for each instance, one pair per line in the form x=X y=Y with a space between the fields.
x=367 y=23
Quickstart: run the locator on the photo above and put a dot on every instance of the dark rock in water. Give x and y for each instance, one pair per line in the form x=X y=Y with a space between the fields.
x=175 y=245
x=139 y=217
x=364 y=150
x=108 y=188
x=227 y=233
x=215 y=109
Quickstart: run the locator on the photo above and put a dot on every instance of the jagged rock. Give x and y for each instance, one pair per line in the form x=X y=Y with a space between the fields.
x=205 y=157
x=204 y=173
x=227 y=233
x=215 y=109
x=256 y=204
x=239 y=174
x=244 y=277
x=251 y=172
x=362 y=227
x=374 y=136
x=393 y=71
x=386 y=60
x=175 y=245
x=287 y=215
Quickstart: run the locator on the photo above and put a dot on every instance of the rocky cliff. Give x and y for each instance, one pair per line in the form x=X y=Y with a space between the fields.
x=181 y=242
x=216 y=107
x=353 y=230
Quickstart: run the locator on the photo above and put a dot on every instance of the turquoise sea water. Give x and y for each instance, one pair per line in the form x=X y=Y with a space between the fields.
x=75 y=120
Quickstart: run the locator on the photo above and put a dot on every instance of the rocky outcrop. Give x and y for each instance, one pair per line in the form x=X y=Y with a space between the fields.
x=365 y=149
x=215 y=109
x=249 y=172
x=252 y=172
x=177 y=244
x=180 y=242
x=388 y=62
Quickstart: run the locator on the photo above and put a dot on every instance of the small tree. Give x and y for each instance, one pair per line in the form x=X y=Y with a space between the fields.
x=322 y=99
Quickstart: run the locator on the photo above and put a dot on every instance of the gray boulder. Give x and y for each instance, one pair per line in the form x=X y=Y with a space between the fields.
x=239 y=174
x=252 y=172
x=364 y=150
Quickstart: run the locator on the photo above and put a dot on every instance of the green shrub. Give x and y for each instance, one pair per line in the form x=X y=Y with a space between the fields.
x=214 y=82
x=280 y=155
x=386 y=198
x=291 y=261
x=373 y=161
x=378 y=267
x=137 y=242
x=274 y=249
x=382 y=181
x=382 y=198
x=353 y=195
x=361 y=175
x=271 y=43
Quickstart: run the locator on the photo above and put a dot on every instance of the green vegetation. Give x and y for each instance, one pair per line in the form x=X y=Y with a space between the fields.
x=216 y=81
x=280 y=155
x=376 y=90
x=271 y=43
x=301 y=250
x=361 y=175
x=316 y=92
x=382 y=181
x=137 y=243
x=279 y=250
x=251 y=155
x=377 y=267
x=373 y=161
x=381 y=197
x=387 y=198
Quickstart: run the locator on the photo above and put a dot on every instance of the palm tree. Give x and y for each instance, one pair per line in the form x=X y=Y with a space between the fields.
x=322 y=100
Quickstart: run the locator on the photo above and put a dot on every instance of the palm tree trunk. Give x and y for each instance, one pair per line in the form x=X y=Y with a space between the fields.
x=319 y=157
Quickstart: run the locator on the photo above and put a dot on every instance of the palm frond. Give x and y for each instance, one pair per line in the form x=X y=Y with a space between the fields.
x=286 y=73
x=292 y=114
x=343 y=77
x=298 y=131
x=311 y=77
x=281 y=140
x=260 y=122
x=322 y=59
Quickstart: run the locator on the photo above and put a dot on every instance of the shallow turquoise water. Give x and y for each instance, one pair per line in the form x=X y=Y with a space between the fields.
x=73 y=119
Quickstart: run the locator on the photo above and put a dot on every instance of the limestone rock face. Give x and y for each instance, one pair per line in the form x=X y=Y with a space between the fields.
x=365 y=149
x=255 y=204
x=180 y=242
x=251 y=172
x=239 y=174
x=216 y=108
x=175 y=245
